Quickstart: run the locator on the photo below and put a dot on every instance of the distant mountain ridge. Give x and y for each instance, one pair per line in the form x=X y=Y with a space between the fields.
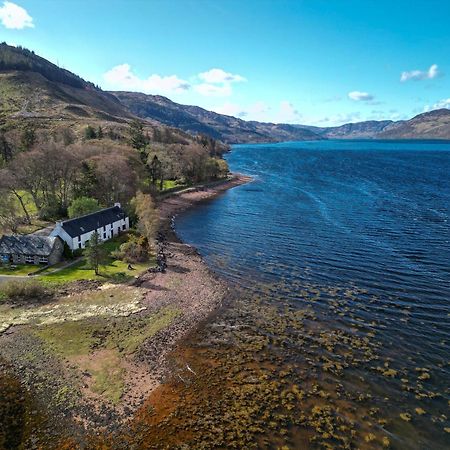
x=359 y=130
x=32 y=87
x=430 y=125
x=194 y=119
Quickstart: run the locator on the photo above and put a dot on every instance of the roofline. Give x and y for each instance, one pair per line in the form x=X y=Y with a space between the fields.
x=90 y=214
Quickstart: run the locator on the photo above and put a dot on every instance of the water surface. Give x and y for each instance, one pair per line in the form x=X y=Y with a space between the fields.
x=358 y=231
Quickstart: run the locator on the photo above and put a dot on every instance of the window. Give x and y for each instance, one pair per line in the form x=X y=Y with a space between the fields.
x=104 y=235
x=79 y=245
x=43 y=260
x=123 y=227
x=29 y=259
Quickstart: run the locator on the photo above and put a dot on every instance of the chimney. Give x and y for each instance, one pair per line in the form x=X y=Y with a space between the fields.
x=118 y=204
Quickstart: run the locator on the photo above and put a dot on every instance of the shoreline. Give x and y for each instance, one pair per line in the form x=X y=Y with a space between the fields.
x=174 y=305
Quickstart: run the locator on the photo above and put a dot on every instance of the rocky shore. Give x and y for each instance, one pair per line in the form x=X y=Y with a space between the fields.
x=91 y=375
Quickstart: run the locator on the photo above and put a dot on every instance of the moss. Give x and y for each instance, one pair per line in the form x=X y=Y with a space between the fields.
x=83 y=336
x=108 y=379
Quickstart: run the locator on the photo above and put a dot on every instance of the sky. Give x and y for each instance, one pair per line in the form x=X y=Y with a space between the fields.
x=314 y=62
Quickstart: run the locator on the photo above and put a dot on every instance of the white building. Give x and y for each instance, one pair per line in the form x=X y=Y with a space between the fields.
x=107 y=222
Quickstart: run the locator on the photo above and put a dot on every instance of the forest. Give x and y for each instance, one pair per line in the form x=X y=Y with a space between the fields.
x=43 y=173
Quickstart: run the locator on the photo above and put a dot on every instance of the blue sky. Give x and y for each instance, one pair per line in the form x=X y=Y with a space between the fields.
x=318 y=62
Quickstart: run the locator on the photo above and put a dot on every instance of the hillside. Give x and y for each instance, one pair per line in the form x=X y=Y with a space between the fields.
x=194 y=119
x=359 y=130
x=429 y=125
x=32 y=87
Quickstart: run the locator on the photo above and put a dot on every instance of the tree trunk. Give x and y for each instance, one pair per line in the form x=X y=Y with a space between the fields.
x=27 y=215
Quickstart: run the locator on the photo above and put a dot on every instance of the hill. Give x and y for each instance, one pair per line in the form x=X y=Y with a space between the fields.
x=429 y=125
x=194 y=119
x=32 y=87
x=359 y=130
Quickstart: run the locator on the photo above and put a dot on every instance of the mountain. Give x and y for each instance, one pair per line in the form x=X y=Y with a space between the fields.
x=32 y=87
x=430 y=125
x=359 y=130
x=194 y=120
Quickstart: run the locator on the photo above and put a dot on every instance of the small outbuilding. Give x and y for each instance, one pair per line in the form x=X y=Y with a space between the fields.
x=31 y=249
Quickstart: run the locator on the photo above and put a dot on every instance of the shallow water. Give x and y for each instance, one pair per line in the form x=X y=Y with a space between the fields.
x=342 y=249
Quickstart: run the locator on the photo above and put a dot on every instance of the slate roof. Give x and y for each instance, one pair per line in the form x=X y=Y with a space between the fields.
x=85 y=224
x=27 y=245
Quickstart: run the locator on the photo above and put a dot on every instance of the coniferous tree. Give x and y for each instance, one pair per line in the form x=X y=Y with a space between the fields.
x=138 y=140
x=89 y=132
x=95 y=252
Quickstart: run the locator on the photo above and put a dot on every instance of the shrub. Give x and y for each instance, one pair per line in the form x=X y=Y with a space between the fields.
x=23 y=290
x=135 y=250
x=81 y=206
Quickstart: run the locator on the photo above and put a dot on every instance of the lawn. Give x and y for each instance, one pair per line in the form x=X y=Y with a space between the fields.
x=18 y=270
x=113 y=270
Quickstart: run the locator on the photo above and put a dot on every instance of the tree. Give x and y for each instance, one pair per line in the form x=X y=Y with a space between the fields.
x=48 y=174
x=10 y=184
x=28 y=138
x=5 y=149
x=148 y=217
x=155 y=169
x=89 y=132
x=138 y=139
x=95 y=252
x=83 y=205
x=9 y=216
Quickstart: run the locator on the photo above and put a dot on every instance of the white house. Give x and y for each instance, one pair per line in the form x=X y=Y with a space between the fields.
x=107 y=222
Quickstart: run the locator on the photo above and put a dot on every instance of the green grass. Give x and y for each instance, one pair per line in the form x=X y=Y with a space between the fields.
x=19 y=270
x=110 y=339
x=113 y=270
x=108 y=379
x=28 y=202
x=124 y=334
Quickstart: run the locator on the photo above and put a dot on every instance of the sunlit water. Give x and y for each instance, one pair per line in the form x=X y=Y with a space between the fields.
x=360 y=232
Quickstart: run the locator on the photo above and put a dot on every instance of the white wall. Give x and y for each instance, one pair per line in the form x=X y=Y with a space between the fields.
x=112 y=230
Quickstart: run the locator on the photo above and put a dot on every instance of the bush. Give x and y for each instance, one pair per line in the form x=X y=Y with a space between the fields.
x=135 y=250
x=81 y=206
x=51 y=212
x=23 y=290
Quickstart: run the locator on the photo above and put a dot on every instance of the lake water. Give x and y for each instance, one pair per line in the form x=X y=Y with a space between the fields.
x=342 y=252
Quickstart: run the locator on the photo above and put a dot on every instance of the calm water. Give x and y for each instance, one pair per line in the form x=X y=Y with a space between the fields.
x=361 y=229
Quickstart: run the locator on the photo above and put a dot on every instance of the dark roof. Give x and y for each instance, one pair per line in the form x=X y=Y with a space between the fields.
x=85 y=224
x=27 y=245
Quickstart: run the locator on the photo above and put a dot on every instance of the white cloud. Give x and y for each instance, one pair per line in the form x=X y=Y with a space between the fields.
x=122 y=77
x=256 y=111
x=336 y=120
x=358 y=96
x=261 y=112
x=217 y=83
x=429 y=74
x=288 y=113
x=15 y=17
x=220 y=76
x=231 y=109
x=214 y=90
x=213 y=83
x=444 y=103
